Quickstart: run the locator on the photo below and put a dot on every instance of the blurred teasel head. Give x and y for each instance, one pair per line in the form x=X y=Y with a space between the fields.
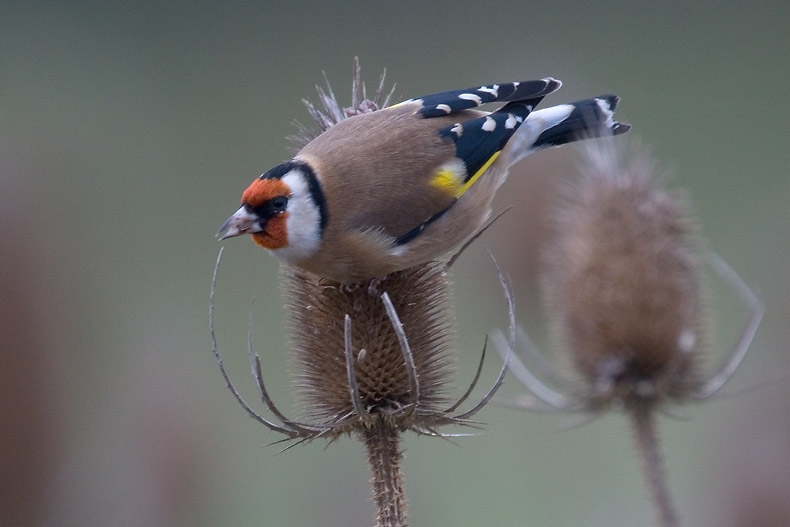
x=622 y=281
x=622 y=284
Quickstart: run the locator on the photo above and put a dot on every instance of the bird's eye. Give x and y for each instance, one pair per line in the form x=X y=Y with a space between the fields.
x=278 y=204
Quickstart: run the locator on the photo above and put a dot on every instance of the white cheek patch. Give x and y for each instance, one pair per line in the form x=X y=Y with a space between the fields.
x=303 y=223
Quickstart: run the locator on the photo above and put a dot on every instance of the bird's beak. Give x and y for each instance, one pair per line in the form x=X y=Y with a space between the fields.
x=242 y=222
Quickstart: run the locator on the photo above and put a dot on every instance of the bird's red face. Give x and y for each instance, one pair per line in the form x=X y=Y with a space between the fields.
x=263 y=214
x=284 y=211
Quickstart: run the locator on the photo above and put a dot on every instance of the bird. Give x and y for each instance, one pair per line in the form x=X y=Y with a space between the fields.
x=383 y=191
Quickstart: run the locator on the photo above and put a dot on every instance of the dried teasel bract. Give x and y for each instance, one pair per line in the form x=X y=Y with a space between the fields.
x=623 y=291
x=331 y=112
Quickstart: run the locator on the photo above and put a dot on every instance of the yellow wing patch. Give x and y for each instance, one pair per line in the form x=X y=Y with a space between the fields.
x=449 y=178
x=446 y=180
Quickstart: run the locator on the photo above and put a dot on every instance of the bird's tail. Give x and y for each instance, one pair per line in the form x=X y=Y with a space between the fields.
x=578 y=120
x=566 y=123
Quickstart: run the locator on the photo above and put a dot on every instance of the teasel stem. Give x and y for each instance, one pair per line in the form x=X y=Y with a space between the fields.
x=643 y=421
x=382 y=442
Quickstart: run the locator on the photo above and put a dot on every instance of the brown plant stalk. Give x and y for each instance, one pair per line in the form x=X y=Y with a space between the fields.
x=643 y=420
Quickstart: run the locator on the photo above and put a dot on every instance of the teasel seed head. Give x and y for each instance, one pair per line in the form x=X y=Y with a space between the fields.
x=317 y=310
x=622 y=282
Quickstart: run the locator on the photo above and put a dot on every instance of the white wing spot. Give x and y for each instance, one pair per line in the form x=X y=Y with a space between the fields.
x=489 y=125
x=493 y=90
x=607 y=111
x=471 y=97
x=511 y=121
x=444 y=108
x=457 y=129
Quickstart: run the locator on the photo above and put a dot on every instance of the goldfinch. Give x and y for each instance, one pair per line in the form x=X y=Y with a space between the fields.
x=383 y=191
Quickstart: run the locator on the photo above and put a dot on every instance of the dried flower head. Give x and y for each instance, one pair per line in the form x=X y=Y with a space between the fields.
x=623 y=290
x=364 y=354
x=622 y=283
x=414 y=397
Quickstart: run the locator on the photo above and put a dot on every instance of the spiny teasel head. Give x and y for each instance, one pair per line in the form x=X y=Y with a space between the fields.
x=332 y=112
x=385 y=386
x=622 y=282
x=622 y=287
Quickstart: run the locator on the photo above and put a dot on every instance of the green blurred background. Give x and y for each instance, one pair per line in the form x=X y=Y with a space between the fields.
x=128 y=131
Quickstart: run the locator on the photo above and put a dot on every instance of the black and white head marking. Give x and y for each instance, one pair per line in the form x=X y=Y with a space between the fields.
x=307 y=215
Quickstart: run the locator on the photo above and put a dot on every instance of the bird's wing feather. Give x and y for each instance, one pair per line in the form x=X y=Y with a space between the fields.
x=478 y=141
